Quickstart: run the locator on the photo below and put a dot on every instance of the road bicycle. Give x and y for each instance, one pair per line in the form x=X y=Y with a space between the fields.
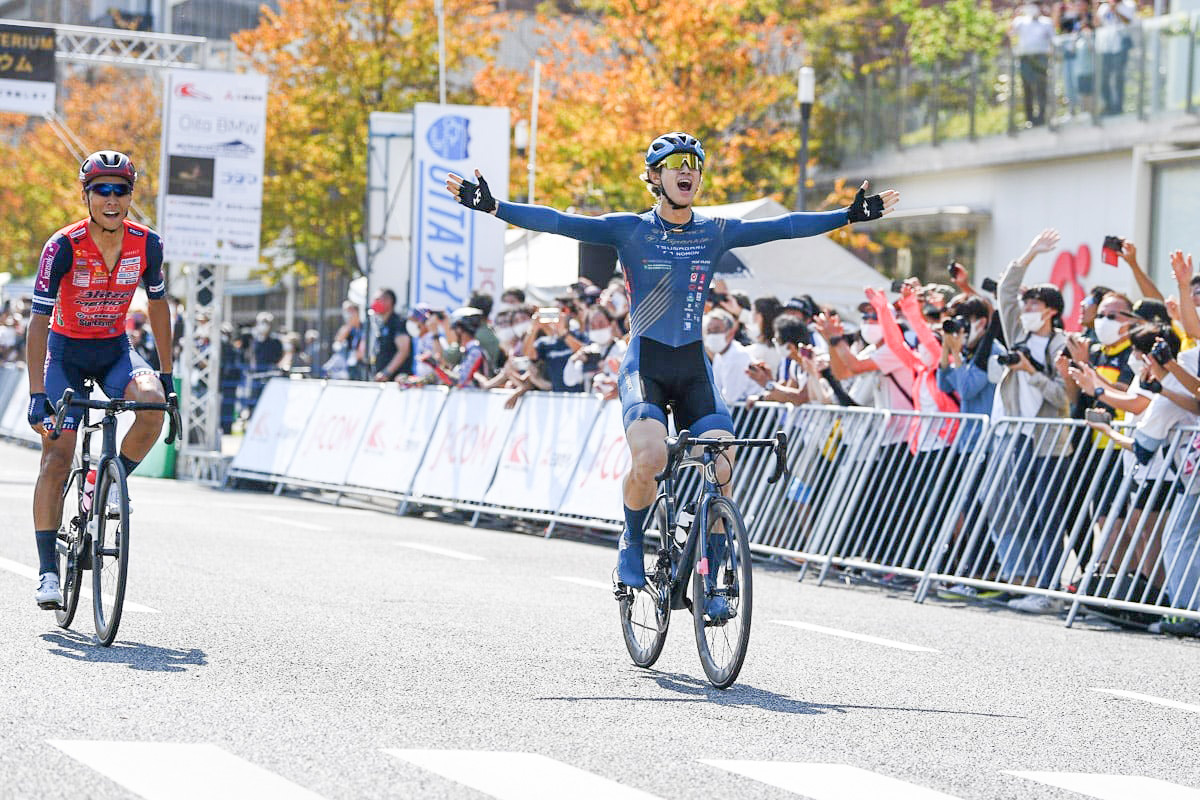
x=703 y=543
x=96 y=538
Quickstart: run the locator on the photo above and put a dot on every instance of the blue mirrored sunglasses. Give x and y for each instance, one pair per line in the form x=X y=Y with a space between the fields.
x=108 y=189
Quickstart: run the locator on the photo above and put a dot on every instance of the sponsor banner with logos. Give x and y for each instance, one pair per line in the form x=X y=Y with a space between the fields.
x=397 y=436
x=214 y=133
x=466 y=446
x=456 y=251
x=27 y=69
x=541 y=451
x=595 y=491
x=276 y=426
x=333 y=435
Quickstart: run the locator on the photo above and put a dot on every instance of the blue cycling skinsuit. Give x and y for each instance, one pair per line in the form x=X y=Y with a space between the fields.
x=667 y=272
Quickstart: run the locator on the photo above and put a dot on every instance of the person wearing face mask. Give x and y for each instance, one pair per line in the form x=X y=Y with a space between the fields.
x=348 y=343
x=760 y=329
x=602 y=354
x=968 y=368
x=730 y=360
x=422 y=328
x=393 y=346
x=1025 y=521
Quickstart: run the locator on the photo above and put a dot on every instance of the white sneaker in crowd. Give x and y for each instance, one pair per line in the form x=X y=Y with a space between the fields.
x=1036 y=604
x=49 y=593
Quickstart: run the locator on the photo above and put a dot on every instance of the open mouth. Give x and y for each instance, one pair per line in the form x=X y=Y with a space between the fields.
x=684 y=184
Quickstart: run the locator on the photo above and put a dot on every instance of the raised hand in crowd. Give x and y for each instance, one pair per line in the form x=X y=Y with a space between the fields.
x=1062 y=363
x=829 y=326
x=1085 y=376
x=961 y=278
x=760 y=373
x=1145 y=285
x=1183 y=269
x=1078 y=347
x=1044 y=242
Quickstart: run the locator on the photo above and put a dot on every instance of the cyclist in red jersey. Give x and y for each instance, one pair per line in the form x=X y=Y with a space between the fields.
x=86 y=278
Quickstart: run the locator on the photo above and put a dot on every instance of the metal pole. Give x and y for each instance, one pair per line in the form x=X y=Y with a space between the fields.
x=440 y=9
x=533 y=126
x=802 y=179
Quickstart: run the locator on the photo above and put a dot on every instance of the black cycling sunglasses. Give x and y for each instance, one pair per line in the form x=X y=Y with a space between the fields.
x=109 y=189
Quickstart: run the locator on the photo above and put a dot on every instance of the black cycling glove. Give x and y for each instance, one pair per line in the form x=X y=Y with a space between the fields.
x=39 y=408
x=477 y=197
x=168 y=383
x=864 y=208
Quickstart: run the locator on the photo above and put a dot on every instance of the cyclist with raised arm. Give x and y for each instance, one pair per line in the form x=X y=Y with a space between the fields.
x=668 y=255
x=86 y=278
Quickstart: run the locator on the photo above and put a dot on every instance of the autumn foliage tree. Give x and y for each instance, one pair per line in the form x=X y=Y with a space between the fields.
x=42 y=193
x=329 y=64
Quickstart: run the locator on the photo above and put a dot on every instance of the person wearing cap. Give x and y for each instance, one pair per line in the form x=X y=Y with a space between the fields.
x=86 y=279
x=422 y=327
x=1025 y=521
x=474 y=366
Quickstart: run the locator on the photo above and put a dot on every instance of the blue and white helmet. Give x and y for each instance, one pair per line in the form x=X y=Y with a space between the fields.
x=677 y=142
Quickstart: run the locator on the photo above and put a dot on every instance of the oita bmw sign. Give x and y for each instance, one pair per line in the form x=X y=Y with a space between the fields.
x=456 y=251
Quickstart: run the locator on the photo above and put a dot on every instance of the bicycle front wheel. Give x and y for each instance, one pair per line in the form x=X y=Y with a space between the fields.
x=70 y=570
x=722 y=599
x=646 y=612
x=110 y=555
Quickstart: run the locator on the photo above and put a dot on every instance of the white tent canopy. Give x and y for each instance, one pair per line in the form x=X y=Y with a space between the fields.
x=546 y=263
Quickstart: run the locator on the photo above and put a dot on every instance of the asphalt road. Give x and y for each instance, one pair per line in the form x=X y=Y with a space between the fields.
x=294 y=649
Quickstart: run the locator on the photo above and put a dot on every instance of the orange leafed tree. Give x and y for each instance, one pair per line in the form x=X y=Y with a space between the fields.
x=106 y=109
x=629 y=70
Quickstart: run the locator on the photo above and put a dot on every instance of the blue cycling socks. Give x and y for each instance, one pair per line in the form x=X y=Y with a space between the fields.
x=635 y=521
x=128 y=463
x=47 y=551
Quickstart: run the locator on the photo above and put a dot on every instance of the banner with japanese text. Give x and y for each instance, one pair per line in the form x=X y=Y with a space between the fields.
x=27 y=69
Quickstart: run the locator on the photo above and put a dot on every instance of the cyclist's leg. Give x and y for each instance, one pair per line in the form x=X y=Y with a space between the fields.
x=700 y=409
x=56 y=459
x=131 y=377
x=645 y=419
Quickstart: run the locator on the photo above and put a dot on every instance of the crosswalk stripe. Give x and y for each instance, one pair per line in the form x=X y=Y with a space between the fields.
x=860 y=637
x=1112 y=787
x=583 y=582
x=828 y=781
x=518 y=776
x=441 y=551
x=85 y=592
x=169 y=771
x=1161 y=701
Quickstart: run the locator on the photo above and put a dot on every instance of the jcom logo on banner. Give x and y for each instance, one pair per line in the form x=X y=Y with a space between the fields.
x=456 y=250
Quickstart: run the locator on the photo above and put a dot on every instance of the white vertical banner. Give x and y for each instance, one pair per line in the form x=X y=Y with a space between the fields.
x=465 y=446
x=335 y=428
x=275 y=427
x=542 y=450
x=595 y=491
x=397 y=436
x=456 y=251
x=210 y=193
x=389 y=201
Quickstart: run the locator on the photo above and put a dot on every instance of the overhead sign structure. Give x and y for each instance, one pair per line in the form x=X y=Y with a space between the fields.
x=456 y=251
x=26 y=69
x=214 y=135
x=389 y=201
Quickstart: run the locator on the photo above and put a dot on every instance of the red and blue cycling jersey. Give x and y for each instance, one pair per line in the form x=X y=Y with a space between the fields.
x=85 y=297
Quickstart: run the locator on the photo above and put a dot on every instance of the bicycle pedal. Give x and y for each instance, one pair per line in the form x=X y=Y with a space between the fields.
x=50 y=606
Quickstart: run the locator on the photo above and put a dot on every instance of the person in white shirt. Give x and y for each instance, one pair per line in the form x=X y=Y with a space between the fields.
x=1032 y=35
x=597 y=363
x=730 y=360
x=1114 y=40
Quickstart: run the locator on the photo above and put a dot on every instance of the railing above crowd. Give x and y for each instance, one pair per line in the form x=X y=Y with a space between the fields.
x=1145 y=70
x=955 y=504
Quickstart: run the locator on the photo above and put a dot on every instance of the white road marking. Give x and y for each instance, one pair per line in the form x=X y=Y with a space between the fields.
x=1161 y=701
x=441 y=551
x=168 y=771
x=583 y=582
x=518 y=776
x=861 y=637
x=828 y=781
x=308 y=526
x=1112 y=787
x=85 y=591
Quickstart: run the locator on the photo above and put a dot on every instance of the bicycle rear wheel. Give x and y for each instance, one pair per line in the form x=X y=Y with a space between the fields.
x=646 y=612
x=70 y=570
x=110 y=556
x=722 y=640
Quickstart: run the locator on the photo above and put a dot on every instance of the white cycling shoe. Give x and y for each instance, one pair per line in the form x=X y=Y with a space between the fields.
x=112 y=505
x=49 y=593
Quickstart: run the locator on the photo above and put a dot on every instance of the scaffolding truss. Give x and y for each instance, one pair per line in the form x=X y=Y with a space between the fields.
x=118 y=47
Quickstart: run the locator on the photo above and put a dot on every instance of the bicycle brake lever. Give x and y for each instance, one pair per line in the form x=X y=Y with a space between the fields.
x=780 y=449
x=61 y=413
x=173 y=412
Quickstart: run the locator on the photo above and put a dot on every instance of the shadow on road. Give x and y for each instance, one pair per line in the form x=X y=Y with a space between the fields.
x=700 y=691
x=146 y=657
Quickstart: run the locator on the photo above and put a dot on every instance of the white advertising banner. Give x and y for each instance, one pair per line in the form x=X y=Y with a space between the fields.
x=542 y=450
x=465 y=447
x=397 y=435
x=210 y=195
x=456 y=251
x=276 y=426
x=335 y=430
x=27 y=68
x=595 y=491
